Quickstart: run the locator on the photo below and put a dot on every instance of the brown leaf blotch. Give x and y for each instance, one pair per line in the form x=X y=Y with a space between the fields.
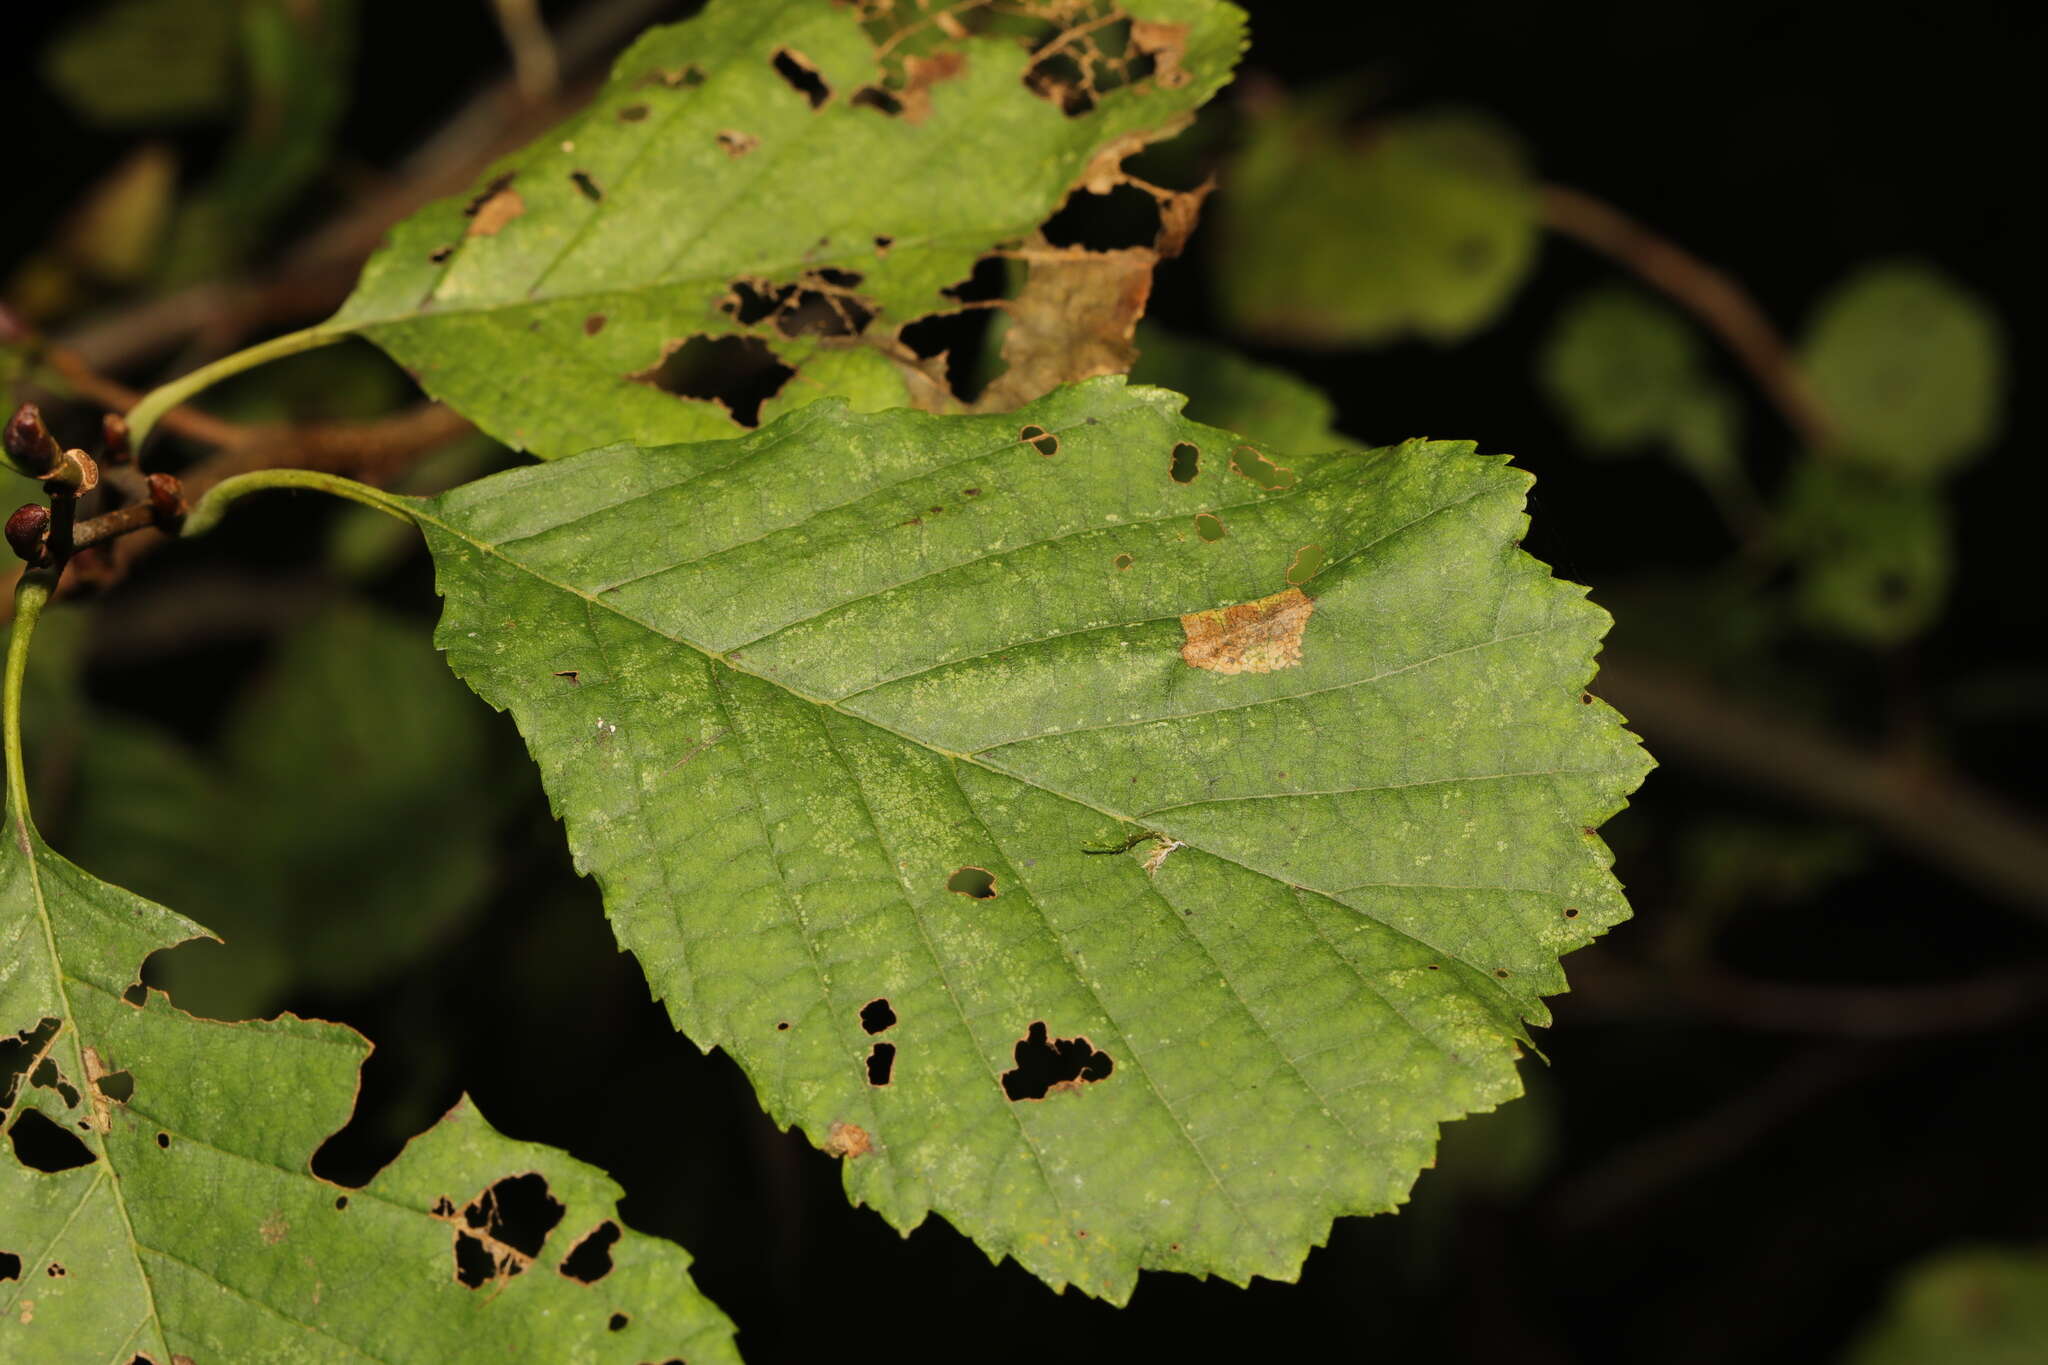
x=1251 y=637
x=495 y=212
x=848 y=1140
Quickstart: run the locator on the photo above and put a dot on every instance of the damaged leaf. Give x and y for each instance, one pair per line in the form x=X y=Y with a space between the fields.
x=163 y=1206
x=935 y=143
x=1344 y=849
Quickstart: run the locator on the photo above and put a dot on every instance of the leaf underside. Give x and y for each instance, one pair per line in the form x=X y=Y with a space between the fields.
x=803 y=212
x=848 y=711
x=193 y=1228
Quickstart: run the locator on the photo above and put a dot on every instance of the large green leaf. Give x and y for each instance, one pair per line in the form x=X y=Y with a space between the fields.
x=850 y=709
x=158 y=1202
x=805 y=211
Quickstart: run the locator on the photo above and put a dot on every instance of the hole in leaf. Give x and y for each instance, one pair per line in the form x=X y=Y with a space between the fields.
x=586 y=186
x=676 y=78
x=881 y=1060
x=740 y=373
x=488 y=193
x=1040 y=440
x=1187 y=462
x=737 y=143
x=19 y=1053
x=1571 y=912
x=876 y=1016
x=618 y=1322
x=802 y=76
x=42 y=1145
x=340 y=1202
x=976 y=882
x=136 y=995
x=882 y=245
x=47 y=1077
x=163 y=1140
x=55 y=1270
x=591 y=1259
x=633 y=113
x=1209 y=526
x=782 y=1027
x=1308 y=562
x=1255 y=466
x=1501 y=972
x=10 y=1266
x=444 y=1207
x=518 y=1212
x=1123 y=562
x=1125 y=217
x=1045 y=1065
x=440 y=255
x=818 y=304
x=118 y=1086
x=876 y=98
x=473 y=1264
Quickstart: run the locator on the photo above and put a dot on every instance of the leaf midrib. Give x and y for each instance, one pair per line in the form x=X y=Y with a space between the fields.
x=417 y=510
x=31 y=846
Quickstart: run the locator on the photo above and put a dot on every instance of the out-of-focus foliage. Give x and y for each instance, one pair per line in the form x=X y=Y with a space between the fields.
x=1226 y=388
x=1911 y=368
x=144 y=62
x=340 y=827
x=1332 y=235
x=1974 y=1306
x=1630 y=374
x=1874 y=556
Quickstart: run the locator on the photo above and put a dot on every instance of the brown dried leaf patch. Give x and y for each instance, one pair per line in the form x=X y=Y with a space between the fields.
x=1251 y=637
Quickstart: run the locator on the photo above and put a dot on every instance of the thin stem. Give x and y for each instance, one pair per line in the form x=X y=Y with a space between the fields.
x=206 y=514
x=1708 y=294
x=145 y=415
x=29 y=597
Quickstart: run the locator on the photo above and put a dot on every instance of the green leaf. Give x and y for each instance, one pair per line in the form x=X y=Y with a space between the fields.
x=634 y=274
x=1911 y=369
x=997 y=720
x=1875 y=557
x=1227 y=388
x=1423 y=223
x=1971 y=1306
x=160 y=1200
x=148 y=61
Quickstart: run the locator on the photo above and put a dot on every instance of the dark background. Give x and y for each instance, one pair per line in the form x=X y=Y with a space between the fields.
x=1686 y=1185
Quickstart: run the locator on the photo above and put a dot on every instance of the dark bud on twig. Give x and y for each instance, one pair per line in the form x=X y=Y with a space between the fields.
x=30 y=446
x=26 y=530
x=166 y=499
x=114 y=442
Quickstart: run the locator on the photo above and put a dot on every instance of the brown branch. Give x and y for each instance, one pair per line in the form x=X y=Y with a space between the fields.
x=1998 y=849
x=315 y=275
x=1605 y=984
x=1710 y=295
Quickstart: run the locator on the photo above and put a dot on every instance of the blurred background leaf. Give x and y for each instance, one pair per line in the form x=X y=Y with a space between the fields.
x=1912 y=368
x=1973 y=1306
x=1335 y=235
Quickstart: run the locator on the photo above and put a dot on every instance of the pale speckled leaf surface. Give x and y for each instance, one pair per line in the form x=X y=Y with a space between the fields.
x=782 y=688
x=195 y=1227
x=583 y=258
